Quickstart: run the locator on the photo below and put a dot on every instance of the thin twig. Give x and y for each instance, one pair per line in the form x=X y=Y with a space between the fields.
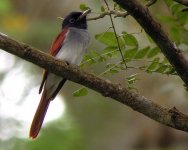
x=104 y=72
x=104 y=54
x=118 y=13
x=115 y=33
x=108 y=13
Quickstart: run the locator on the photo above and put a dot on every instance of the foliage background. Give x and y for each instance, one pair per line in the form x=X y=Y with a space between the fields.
x=93 y=122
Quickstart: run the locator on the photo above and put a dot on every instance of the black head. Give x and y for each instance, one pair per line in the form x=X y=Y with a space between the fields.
x=75 y=19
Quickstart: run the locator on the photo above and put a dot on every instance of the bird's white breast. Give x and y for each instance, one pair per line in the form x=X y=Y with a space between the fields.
x=74 y=46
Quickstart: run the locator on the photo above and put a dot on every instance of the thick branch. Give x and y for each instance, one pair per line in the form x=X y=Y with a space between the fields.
x=169 y=117
x=153 y=29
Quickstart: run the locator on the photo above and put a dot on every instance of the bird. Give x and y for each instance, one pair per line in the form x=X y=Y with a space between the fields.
x=70 y=45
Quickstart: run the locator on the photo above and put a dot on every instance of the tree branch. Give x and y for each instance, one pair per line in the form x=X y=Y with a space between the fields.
x=108 y=13
x=169 y=117
x=154 y=30
x=122 y=14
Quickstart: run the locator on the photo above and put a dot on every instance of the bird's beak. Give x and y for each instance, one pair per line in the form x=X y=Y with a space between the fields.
x=60 y=18
x=84 y=14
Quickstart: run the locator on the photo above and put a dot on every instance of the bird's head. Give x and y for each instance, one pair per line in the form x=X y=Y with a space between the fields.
x=76 y=19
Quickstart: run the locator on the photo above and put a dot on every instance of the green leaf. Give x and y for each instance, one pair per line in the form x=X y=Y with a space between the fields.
x=167 y=19
x=176 y=8
x=88 y=58
x=98 y=56
x=165 y=60
x=102 y=9
x=130 y=40
x=175 y=34
x=81 y=92
x=171 y=71
x=115 y=6
x=132 y=76
x=182 y=18
x=150 y=39
x=161 y=68
x=131 y=81
x=113 y=71
x=169 y=2
x=153 y=65
x=109 y=65
x=83 y=7
x=109 y=49
x=130 y=53
x=108 y=38
x=101 y=59
x=142 y=53
x=153 y=52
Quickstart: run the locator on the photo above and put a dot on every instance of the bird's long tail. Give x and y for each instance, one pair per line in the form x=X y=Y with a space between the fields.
x=39 y=116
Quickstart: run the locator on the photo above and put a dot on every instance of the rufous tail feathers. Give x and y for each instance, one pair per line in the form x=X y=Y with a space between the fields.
x=39 y=116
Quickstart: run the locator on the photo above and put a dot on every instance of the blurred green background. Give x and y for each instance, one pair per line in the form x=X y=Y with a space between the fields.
x=91 y=122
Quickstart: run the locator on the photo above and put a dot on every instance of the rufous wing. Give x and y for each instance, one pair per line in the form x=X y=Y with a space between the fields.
x=56 y=46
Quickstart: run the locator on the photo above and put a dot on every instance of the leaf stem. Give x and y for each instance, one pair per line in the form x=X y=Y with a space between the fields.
x=113 y=26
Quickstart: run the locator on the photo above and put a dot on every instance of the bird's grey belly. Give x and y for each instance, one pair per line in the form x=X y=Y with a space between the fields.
x=74 y=46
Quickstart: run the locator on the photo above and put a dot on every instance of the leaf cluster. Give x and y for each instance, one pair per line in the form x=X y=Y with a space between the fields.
x=146 y=59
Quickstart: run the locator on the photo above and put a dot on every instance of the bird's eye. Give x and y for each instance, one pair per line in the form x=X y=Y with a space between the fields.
x=72 y=20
